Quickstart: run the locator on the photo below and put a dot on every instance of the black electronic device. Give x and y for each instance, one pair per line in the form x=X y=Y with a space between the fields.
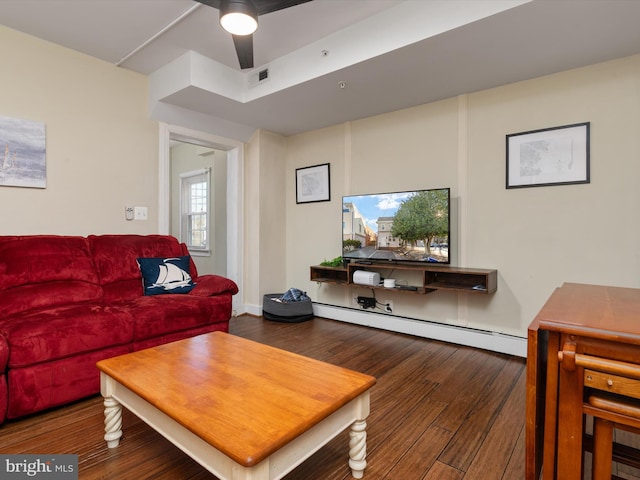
x=367 y=302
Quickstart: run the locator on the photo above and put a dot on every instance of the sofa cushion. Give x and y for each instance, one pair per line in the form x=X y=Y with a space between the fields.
x=50 y=384
x=65 y=331
x=165 y=275
x=161 y=314
x=4 y=398
x=115 y=259
x=44 y=258
x=45 y=271
x=42 y=296
x=210 y=285
x=4 y=353
x=182 y=334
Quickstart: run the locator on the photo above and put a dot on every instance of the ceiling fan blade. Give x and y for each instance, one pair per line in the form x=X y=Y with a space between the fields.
x=268 y=6
x=211 y=3
x=244 y=43
x=244 y=49
x=262 y=6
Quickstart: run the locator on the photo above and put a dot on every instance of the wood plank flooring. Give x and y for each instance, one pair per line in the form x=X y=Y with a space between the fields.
x=438 y=412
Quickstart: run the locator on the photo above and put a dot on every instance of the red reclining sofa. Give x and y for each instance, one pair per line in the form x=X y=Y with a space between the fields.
x=67 y=302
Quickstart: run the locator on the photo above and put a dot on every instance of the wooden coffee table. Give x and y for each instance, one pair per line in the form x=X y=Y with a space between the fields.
x=241 y=409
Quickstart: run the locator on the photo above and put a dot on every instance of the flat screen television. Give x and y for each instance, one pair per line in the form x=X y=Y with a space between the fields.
x=408 y=226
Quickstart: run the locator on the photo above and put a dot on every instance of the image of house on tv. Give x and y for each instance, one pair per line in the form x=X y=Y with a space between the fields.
x=412 y=226
x=355 y=231
x=385 y=239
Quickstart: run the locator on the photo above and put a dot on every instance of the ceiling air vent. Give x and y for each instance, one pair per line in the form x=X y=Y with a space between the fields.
x=258 y=77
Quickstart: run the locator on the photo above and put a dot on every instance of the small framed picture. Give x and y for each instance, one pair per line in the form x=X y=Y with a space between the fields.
x=24 y=144
x=551 y=156
x=312 y=184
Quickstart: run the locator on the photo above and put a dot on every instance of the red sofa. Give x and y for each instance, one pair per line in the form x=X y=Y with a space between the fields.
x=68 y=301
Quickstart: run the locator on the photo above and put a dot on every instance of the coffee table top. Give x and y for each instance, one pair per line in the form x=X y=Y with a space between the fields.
x=244 y=398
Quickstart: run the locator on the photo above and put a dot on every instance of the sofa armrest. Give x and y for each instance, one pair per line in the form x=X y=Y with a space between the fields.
x=210 y=285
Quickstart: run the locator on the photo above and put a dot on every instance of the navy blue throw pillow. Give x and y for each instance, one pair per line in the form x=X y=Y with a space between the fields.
x=165 y=275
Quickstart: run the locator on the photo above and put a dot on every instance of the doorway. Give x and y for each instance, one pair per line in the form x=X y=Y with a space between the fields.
x=198 y=215
x=228 y=229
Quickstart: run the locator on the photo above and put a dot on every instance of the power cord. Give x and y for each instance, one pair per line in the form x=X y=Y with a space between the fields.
x=386 y=309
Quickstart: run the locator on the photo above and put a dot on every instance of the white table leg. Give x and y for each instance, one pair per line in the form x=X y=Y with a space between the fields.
x=112 y=422
x=358 y=448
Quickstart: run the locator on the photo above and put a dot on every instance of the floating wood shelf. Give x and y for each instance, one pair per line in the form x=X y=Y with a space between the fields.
x=433 y=277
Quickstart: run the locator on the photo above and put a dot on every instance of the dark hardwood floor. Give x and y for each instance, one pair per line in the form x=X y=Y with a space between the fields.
x=438 y=412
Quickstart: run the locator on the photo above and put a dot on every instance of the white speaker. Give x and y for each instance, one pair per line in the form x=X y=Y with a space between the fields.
x=362 y=277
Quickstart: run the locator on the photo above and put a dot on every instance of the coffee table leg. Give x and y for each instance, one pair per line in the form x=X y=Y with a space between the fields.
x=112 y=422
x=358 y=448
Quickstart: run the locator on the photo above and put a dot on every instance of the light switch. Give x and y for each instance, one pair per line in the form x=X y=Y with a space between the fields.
x=140 y=213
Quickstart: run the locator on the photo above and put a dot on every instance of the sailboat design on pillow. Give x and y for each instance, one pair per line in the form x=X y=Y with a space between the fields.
x=171 y=276
x=166 y=275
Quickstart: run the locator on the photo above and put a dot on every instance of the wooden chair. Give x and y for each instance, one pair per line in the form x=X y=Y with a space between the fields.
x=611 y=411
x=613 y=400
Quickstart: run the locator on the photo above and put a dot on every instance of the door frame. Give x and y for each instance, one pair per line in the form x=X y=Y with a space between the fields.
x=235 y=174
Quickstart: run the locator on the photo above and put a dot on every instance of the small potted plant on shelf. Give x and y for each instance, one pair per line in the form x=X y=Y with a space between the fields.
x=336 y=262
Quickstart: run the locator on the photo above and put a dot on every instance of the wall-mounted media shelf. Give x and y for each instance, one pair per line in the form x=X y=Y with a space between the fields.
x=322 y=274
x=429 y=278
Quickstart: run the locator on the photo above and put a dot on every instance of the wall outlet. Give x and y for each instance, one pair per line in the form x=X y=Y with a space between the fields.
x=388 y=306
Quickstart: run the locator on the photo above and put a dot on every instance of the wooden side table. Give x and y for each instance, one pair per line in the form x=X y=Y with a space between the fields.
x=593 y=320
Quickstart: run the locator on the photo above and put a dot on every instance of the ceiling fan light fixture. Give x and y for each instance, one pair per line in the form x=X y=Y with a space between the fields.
x=238 y=17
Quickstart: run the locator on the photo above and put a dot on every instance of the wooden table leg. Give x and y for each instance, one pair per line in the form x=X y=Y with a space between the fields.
x=550 y=451
x=534 y=428
x=358 y=436
x=112 y=411
x=112 y=422
x=358 y=448
x=570 y=417
x=602 y=448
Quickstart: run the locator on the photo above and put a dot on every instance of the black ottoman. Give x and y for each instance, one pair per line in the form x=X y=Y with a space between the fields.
x=290 y=312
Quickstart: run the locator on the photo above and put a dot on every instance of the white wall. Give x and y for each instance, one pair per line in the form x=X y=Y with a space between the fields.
x=102 y=149
x=537 y=238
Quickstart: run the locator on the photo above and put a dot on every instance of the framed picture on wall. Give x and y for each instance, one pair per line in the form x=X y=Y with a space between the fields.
x=312 y=184
x=23 y=143
x=550 y=156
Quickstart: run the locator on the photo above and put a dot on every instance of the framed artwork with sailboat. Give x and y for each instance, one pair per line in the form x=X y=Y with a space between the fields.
x=23 y=150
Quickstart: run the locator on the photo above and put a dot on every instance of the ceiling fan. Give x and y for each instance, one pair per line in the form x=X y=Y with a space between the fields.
x=246 y=13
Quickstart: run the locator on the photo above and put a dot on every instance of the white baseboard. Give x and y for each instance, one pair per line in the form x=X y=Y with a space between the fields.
x=255 y=310
x=486 y=340
x=496 y=342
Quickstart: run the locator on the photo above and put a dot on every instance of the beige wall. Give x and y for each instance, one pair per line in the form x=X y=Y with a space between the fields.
x=186 y=157
x=102 y=154
x=537 y=238
x=102 y=149
x=265 y=226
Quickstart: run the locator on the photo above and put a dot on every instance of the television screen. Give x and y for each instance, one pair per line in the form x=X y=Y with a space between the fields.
x=402 y=226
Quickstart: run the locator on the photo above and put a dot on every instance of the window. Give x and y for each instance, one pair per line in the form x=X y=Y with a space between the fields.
x=194 y=206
